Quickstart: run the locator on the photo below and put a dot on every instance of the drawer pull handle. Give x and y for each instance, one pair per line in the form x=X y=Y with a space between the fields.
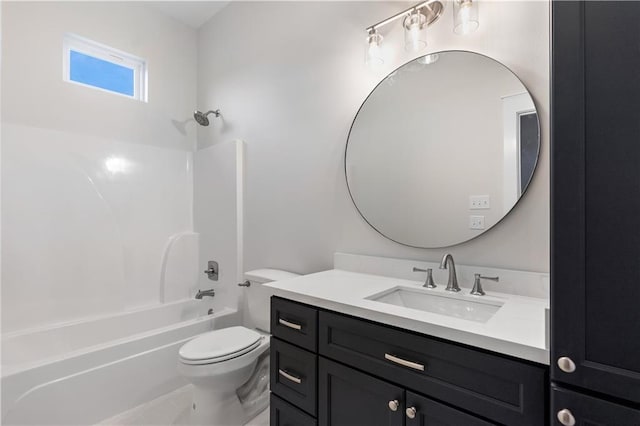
x=290 y=324
x=404 y=362
x=393 y=405
x=288 y=376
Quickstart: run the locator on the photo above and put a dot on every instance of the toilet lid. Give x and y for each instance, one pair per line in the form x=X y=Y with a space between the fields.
x=220 y=345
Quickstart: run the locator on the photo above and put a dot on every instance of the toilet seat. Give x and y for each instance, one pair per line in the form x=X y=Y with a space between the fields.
x=220 y=345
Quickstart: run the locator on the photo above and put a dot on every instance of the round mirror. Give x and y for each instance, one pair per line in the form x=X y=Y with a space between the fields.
x=442 y=149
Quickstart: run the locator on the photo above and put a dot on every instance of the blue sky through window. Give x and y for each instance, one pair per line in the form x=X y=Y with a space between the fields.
x=99 y=73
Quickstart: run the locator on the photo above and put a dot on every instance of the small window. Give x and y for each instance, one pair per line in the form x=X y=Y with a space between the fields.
x=98 y=66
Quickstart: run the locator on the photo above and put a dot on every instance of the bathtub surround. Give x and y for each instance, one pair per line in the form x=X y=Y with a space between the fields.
x=82 y=236
x=218 y=217
x=94 y=184
x=179 y=273
x=291 y=94
x=101 y=248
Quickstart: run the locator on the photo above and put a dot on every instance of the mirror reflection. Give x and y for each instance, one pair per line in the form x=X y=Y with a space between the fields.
x=442 y=149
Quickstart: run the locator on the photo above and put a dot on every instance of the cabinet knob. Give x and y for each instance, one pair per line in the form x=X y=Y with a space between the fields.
x=565 y=417
x=393 y=405
x=566 y=364
x=411 y=412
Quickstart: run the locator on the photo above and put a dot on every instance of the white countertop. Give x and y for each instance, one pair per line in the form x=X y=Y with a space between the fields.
x=518 y=328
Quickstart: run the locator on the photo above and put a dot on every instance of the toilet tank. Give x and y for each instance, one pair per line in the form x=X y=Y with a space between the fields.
x=258 y=297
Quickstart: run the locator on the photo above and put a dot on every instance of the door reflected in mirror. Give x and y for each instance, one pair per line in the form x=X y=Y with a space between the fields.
x=441 y=151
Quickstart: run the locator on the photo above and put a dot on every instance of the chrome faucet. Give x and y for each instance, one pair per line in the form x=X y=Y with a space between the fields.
x=205 y=293
x=448 y=263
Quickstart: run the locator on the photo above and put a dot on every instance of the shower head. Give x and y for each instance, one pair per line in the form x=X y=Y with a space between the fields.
x=201 y=117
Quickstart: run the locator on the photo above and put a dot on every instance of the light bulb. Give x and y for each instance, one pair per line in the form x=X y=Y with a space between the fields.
x=465 y=16
x=415 y=31
x=373 y=54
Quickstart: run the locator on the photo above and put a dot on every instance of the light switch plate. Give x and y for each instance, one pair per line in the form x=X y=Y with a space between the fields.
x=479 y=202
x=476 y=222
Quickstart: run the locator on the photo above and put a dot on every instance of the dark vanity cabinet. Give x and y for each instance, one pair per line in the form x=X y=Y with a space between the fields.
x=595 y=268
x=359 y=372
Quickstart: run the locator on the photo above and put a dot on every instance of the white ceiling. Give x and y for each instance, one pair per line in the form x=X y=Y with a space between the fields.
x=192 y=13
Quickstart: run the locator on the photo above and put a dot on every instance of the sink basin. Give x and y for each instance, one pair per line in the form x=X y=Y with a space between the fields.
x=454 y=305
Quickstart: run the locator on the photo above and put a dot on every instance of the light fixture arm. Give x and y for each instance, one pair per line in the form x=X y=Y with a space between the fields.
x=404 y=13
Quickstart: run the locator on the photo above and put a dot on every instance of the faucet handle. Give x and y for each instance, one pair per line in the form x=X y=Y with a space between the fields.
x=477 y=285
x=428 y=283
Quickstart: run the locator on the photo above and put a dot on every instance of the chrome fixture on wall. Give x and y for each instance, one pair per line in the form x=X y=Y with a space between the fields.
x=212 y=270
x=205 y=293
x=416 y=19
x=201 y=117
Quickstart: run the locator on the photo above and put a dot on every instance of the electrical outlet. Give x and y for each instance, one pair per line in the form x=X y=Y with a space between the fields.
x=476 y=222
x=479 y=202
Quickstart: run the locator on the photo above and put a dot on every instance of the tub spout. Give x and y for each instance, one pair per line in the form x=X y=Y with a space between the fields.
x=205 y=293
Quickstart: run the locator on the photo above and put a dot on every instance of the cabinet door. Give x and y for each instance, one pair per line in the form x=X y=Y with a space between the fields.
x=350 y=398
x=285 y=414
x=595 y=202
x=431 y=413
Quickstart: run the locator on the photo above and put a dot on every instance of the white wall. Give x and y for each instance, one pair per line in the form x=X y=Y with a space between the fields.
x=93 y=184
x=289 y=78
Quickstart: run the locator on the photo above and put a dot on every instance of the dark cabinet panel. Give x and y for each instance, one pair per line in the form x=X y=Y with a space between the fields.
x=432 y=413
x=295 y=323
x=285 y=414
x=590 y=411
x=293 y=375
x=347 y=397
x=501 y=389
x=612 y=184
x=595 y=195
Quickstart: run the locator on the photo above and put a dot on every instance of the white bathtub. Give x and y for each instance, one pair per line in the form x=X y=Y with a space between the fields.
x=82 y=372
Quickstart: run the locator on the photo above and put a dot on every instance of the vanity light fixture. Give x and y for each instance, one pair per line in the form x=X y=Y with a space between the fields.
x=373 y=54
x=415 y=31
x=415 y=21
x=465 y=16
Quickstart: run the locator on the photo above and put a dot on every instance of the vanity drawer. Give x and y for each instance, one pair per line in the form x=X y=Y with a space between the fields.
x=498 y=388
x=285 y=414
x=587 y=410
x=295 y=323
x=294 y=375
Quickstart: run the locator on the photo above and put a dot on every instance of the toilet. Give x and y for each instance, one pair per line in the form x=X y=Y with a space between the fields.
x=220 y=362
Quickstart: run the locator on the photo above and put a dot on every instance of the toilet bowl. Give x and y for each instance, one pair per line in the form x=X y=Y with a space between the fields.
x=219 y=362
